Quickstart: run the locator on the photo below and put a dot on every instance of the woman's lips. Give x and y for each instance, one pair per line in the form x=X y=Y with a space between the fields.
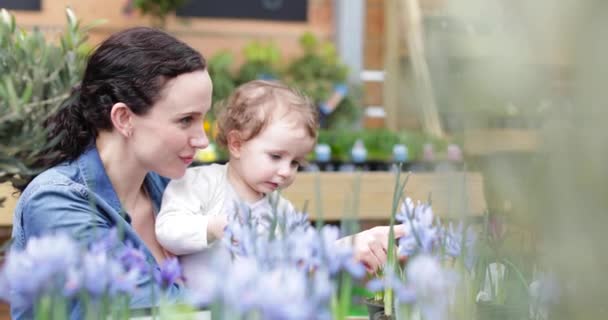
x=187 y=160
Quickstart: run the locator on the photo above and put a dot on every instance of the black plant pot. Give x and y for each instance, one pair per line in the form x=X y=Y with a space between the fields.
x=375 y=310
x=374 y=307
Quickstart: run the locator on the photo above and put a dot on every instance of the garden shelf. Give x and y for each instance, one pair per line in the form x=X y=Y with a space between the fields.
x=453 y=193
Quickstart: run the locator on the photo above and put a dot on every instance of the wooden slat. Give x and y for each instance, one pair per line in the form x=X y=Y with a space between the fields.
x=453 y=194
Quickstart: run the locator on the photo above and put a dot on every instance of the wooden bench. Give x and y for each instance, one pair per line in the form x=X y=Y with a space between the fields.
x=453 y=194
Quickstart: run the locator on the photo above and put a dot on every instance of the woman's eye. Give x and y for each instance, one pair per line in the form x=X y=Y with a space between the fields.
x=296 y=164
x=275 y=157
x=186 y=121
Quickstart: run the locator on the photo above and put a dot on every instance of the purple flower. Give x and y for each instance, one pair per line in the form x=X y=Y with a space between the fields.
x=285 y=294
x=339 y=257
x=453 y=239
x=133 y=258
x=98 y=271
x=169 y=273
x=431 y=285
x=390 y=280
x=421 y=235
x=240 y=292
x=125 y=282
x=73 y=282
x=41 y=266
x=544 y=293
x=105 y=243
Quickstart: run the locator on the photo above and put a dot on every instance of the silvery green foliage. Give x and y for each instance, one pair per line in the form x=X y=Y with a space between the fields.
x=36 y=75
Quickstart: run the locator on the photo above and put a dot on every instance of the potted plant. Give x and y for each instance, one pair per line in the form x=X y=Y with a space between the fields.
x=46 y=73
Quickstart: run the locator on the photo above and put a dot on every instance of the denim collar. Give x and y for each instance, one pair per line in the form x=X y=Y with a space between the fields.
x=95 y=177
x=97 y=180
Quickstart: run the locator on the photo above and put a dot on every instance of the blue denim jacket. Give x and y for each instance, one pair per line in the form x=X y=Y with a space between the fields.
x=77 y=197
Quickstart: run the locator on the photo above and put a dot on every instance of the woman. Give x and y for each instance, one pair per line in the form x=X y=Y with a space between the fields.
x=135 y=118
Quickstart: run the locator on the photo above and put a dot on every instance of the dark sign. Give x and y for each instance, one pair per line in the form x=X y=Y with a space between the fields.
x=31 y=5
x=282 y=10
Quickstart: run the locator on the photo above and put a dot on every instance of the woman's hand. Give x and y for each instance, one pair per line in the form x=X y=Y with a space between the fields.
x=370 y=246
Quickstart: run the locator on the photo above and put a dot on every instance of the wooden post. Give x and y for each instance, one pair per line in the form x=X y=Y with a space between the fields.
x=411 y=14
x=391 y=64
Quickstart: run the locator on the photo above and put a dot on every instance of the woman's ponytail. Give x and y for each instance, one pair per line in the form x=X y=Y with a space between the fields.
x=70 y=127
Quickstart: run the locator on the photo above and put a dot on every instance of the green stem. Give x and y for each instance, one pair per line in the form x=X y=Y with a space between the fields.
x=388 y=302
x=346 y=287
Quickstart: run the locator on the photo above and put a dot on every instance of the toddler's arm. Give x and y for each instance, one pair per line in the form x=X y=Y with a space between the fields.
x=190 y=217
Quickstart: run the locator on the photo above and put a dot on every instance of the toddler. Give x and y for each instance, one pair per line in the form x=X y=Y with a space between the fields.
x=268 y=129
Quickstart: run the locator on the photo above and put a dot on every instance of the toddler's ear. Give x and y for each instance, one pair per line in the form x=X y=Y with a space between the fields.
x=234 y=143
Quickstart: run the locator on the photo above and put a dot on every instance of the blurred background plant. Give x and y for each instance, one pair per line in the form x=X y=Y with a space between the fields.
x=219 y=67
x=262 y=61
x=317 y=72
x=36 y=76
x=541 y=65
x=379 y=143
x=158 y=10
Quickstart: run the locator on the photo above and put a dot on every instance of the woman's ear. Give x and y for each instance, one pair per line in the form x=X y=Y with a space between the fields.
x=122 y=119
x=234 y=143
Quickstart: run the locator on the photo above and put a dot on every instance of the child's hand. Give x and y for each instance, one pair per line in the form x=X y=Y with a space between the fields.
x=370 y=246
x=215 y=227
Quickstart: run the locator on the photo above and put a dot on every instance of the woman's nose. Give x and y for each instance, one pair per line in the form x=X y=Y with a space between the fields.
x=200 y=141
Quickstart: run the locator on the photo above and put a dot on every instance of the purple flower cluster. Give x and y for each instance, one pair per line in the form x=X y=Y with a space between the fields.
x=424 y=282
x=279 y=267
x=428 y=286
x=422 y=236
x=426 y=235
x=56 y=265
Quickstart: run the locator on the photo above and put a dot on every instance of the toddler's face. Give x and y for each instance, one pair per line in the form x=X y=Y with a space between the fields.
x=270 y=160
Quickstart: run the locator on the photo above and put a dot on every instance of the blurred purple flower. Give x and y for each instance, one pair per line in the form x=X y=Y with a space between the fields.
x=125 y=282
x=241 y=291
x=453 y=239
x=421 y=235
x=339 y=257
x=134 y=258
x=169 y=273
x=73 y=282
x=106 y=243
x=544 y=294
x=40 y=267
x=432 y=286
x=285 y=294
x=98 y=271
x=390 y=280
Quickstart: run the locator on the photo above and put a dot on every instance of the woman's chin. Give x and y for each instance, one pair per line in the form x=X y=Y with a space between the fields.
x=174 y=173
